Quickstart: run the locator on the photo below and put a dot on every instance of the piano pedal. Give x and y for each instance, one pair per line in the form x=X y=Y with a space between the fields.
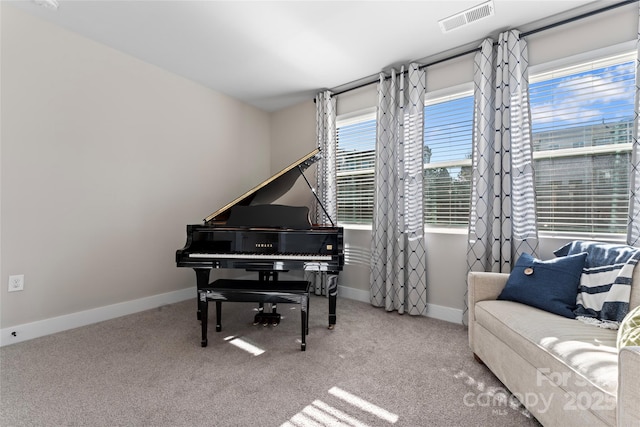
x=267 y=319
x=257 y=319
x=275 y=320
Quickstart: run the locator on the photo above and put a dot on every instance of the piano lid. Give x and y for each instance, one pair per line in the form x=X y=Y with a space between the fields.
x=268 y=190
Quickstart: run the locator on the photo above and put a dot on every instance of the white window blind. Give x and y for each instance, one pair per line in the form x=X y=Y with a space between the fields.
x=356 y=138
x=448 y=127
x=582 y=118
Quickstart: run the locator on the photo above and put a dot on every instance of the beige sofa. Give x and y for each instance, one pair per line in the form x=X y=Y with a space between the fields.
x=565 y=372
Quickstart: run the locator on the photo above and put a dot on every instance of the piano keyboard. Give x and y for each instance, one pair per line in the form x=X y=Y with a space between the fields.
x=297 y=257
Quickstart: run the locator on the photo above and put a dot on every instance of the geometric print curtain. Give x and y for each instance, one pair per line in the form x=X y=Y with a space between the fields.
x=325 y=171
x=502 y=223
x=633 y=226
x=398 y=262
x=502 y=219
x=326 y=166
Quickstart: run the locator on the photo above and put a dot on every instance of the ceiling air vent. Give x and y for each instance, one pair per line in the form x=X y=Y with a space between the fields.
x=466 y=17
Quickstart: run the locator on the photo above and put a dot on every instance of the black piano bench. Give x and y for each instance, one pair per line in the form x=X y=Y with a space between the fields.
x=286 y=292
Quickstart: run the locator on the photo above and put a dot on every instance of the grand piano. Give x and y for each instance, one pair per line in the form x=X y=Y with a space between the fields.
x=252 y=234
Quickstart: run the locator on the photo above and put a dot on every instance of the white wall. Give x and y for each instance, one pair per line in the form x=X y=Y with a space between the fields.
x=104 y=160
x=446 y=251
x=293 y=135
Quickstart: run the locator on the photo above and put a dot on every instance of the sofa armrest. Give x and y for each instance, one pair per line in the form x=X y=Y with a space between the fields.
x=628 y=387
x=482 y=286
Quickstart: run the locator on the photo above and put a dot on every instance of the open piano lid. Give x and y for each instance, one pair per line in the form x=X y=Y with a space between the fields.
x=268 y=190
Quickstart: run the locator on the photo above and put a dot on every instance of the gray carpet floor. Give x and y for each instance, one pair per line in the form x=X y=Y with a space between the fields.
x=148 y=369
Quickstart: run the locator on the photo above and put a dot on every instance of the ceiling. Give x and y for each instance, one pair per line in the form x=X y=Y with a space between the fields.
x=274 y=54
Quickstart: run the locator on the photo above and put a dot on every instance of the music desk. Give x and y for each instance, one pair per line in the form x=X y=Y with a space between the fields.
x=273 y=292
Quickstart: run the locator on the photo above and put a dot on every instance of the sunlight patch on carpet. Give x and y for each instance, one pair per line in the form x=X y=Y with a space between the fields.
x=321 y=414
x=364 y=405
x=499 y=398
x=338 y=414
x=244 y=345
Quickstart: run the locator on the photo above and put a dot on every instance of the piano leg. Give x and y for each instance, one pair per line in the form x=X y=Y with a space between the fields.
x=304 y=310
x=203 y=313
x=202 y=281
x=332 y=292
x=218 y=316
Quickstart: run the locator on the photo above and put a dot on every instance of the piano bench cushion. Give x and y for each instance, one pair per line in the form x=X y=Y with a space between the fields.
x=301 y=286
x=289 y=291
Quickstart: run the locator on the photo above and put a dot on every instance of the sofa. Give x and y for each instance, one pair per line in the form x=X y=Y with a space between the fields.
x=564 y=371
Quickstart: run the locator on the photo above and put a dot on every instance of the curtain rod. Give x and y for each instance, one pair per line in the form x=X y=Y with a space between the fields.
x=527 y=33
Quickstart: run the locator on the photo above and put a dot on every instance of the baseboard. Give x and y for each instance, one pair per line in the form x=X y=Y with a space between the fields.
x=448 y=314
x=353 y=293
x=28 y=331
x=41 y=328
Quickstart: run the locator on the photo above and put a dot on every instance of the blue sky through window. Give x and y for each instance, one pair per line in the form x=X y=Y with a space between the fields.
x=599 y=96
x=602 y=95
x=448 y=130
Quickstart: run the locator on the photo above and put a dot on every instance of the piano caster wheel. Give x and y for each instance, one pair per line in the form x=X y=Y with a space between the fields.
x=331 y=327
x=203 y=343
x=303 y=347
x=218 y=328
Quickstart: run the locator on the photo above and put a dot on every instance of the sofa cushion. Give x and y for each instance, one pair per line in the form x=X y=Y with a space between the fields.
x=629 y=331
x=605 y=285
x=549 y=285
x=578 y=357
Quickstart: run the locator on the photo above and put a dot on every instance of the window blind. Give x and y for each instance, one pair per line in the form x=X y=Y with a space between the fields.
x=582 y=121
x=448 y=128
x=356 y=140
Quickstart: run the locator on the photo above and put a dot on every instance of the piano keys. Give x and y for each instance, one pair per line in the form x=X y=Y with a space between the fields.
x=252 y=234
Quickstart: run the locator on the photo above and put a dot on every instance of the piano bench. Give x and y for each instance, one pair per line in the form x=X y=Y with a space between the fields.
x=233 y=290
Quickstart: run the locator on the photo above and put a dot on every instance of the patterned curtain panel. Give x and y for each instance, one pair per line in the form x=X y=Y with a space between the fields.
x=325 y=171
x=502 y=223
x=633 y=226
x=326 y=166
x=398 y=264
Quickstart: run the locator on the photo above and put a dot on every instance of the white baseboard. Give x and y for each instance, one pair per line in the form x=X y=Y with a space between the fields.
x=353 y=293
x=453 y=315
x=448 y=314
x=28 y=331
x=41 y=328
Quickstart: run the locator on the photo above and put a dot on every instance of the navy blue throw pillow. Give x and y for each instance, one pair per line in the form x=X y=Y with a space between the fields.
x=548 y=285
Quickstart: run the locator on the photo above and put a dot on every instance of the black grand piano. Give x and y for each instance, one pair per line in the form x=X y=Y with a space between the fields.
x=252 y=234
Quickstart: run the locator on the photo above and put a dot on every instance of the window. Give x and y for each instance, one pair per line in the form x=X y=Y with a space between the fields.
x=448 y=127
x=447 y=163
x=582 y=120
x=356 y=140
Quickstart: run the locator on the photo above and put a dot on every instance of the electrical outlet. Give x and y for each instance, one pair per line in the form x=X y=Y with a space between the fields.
x=16 y=283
